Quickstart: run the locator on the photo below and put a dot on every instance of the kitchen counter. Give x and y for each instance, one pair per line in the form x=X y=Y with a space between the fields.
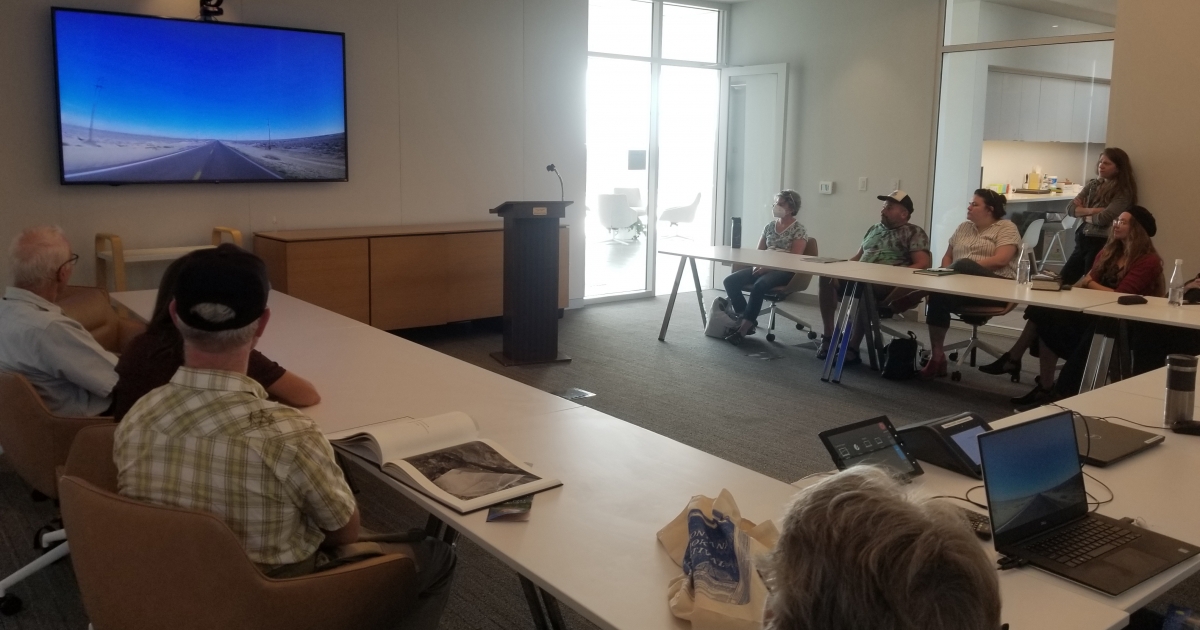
x=1028 y=198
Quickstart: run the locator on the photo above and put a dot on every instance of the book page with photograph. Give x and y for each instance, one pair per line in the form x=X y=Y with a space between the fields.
x=469 y=476
x=396 y=439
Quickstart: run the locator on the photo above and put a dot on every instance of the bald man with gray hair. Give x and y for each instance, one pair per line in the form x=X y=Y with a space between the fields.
x=58 y=356
x=855 y=552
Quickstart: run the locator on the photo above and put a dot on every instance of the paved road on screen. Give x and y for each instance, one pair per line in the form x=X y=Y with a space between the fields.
x=208 y=162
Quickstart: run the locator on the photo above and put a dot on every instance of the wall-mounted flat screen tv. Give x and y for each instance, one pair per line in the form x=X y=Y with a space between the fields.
x=152 y=100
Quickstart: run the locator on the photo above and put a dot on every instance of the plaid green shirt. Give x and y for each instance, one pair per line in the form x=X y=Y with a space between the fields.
x=210 y=440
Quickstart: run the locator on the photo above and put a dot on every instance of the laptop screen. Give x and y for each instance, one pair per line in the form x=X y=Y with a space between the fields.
x=1032 y=476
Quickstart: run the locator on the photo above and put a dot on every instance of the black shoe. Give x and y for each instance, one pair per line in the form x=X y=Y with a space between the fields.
x=1004 y=365
x=1035 y=398
x=735 y=338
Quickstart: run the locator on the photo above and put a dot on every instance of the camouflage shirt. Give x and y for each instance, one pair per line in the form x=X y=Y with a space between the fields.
x=893 y=246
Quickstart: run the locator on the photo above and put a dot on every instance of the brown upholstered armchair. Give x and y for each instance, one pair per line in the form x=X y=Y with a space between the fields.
x=91 y=307
x=144 y=567
x=36 y=443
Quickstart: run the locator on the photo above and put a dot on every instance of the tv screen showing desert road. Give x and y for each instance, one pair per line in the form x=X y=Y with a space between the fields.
x=138 y=105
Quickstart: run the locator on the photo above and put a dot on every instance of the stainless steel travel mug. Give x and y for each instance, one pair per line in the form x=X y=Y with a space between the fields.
x=1181 y=389
x=735 y=233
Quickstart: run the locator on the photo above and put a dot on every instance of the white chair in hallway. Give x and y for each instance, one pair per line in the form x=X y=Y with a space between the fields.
x=1033 y=234
x=680 y=214
x=616 y=215
x=634 y=197
x=1055 y=247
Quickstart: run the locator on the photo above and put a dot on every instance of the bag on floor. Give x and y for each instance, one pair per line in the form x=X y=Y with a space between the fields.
x=721 y=320
x=900 y=358
x=720 y=553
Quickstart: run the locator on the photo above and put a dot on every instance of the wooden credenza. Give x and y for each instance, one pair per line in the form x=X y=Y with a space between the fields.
x=400 y=276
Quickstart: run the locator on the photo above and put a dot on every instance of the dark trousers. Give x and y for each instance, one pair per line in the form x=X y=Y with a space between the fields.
x=941 y=305
x=735 y=281
x=1080 y=262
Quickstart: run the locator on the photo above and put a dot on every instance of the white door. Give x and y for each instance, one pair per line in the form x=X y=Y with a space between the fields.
x=749 y=151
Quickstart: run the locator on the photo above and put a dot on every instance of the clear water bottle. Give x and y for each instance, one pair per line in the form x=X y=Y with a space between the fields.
x=1175 y=286
x=1024 y=268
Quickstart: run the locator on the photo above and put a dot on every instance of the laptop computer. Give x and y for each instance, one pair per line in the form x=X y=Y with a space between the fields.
x=1039 y=511
x=1102 y=443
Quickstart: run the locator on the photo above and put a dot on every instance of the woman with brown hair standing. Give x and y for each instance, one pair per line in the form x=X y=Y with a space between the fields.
x=1100 y=202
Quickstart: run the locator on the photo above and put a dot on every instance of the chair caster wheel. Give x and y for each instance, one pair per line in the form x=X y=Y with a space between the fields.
x=953 y=356
x=10 y=605
x=770 y=336
x=956 y=376
x=812 y=334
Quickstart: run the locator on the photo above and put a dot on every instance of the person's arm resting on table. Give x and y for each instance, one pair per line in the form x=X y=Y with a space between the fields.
x=319 y=487
x=77 y=357
x=1004 y=254
x=293 y=390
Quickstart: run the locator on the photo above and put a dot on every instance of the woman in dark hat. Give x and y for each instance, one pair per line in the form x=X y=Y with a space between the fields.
x=1128 y=263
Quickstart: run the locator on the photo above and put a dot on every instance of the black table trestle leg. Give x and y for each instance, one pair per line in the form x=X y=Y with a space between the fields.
x=874 y=338
x=1095 y=372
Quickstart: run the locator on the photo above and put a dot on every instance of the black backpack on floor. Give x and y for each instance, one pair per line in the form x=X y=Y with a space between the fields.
x=900 y=358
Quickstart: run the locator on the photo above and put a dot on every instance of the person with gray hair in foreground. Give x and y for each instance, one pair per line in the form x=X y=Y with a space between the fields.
x=71 y=372
x=210 y=440
x=855 y=552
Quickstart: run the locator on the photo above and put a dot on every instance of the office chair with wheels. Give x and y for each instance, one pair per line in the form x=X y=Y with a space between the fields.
x=36 y=443
x=778 y=297
x=976 y=316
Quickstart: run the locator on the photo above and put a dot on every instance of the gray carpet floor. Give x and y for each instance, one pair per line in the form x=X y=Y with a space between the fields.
x=759 y=405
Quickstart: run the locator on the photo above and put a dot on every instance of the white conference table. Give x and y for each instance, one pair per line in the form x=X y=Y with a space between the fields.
x=590 y=543
x=997 y=289
x=1154 y=311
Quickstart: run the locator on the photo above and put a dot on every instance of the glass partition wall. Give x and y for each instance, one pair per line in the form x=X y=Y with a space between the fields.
x=1023 y=89
x=652 y=98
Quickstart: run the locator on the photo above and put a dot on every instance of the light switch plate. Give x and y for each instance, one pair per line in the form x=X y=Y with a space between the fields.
x=895 y=184
x=826 y=188
x=862 y=184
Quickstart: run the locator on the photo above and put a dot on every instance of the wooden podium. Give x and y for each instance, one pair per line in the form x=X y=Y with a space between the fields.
x=530 y=281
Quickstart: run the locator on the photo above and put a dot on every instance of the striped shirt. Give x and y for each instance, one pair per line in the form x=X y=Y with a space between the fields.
x=971 y=242
x=210 y=440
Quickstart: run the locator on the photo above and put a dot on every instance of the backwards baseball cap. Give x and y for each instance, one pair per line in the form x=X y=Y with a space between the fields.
x=226 y=275
x=900 y=197
x=1144 y=219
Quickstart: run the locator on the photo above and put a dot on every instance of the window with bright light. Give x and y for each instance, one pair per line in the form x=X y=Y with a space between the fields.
x=620 y=27
x=690 y=33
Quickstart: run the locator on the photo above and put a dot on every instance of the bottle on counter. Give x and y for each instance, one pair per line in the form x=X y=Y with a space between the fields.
x=1175 y=286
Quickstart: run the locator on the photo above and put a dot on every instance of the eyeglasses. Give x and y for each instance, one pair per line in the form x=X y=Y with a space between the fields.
x=1120 y=222
x=70 y=261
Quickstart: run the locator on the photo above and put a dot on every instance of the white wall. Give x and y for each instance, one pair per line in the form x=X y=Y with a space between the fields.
x=861 y=88
x=454 y=106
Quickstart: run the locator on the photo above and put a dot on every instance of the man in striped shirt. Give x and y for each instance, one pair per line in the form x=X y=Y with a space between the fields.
x=210 y=440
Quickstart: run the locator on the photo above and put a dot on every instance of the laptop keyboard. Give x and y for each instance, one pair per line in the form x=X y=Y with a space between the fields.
x=1088 y=539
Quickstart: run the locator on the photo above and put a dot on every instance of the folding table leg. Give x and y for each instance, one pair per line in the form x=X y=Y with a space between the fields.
x=699 y=293
x=845 y=314
x=543 y=606
x=1099 y=357
x=662 y=334
x=874 y=337
x=847 y=332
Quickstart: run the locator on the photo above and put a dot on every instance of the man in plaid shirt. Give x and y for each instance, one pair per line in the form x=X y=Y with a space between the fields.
x=210 y=440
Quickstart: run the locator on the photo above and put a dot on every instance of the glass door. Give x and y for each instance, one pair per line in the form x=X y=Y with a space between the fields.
x=753 y=107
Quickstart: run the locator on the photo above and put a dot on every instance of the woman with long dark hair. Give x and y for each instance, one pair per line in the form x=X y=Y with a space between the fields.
x=1128 y=263
x=153 y=357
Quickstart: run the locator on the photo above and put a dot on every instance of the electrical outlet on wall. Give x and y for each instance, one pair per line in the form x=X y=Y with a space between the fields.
x=862 y=184
x=826 y=188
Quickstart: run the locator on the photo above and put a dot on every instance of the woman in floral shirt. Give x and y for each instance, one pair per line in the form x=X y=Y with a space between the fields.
x=784 y=234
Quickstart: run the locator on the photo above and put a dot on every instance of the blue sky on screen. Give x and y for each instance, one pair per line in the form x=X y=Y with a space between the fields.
x=198 y=80
x=1032 y=457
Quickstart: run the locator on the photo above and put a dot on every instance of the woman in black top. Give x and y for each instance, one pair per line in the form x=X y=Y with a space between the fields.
x=153 y=357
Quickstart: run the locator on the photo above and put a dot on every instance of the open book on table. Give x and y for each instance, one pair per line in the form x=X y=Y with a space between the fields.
x=444 y=457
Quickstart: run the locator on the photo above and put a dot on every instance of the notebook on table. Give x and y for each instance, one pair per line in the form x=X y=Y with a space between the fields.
x=1039 y=511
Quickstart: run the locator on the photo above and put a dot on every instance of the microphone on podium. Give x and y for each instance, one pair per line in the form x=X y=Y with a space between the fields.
x=561 y=194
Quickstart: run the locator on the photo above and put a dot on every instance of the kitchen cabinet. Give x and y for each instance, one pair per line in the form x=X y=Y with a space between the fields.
x=1032 y=108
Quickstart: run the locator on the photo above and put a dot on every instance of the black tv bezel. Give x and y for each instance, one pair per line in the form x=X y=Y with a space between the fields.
x=62 y=179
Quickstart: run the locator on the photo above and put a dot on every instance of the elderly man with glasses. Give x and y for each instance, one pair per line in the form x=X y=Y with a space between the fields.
x=71 y=371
